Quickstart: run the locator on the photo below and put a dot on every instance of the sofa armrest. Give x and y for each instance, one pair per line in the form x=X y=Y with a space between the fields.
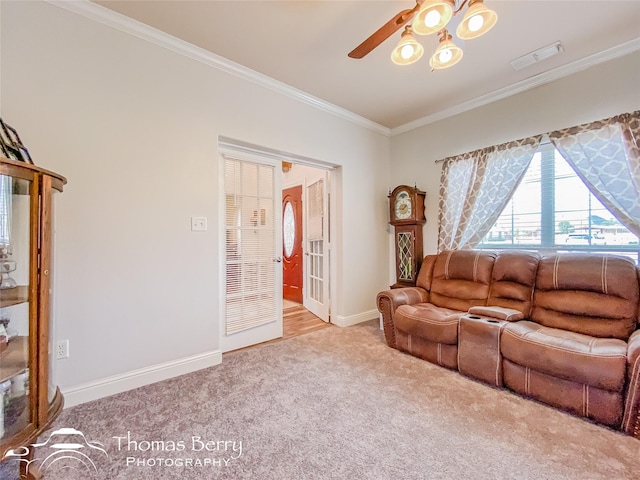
x=501 y=313
x=631 y=419
x=387 y=302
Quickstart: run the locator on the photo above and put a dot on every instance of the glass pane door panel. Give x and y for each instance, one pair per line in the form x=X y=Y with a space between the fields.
x=251 y=247
x=15 y=197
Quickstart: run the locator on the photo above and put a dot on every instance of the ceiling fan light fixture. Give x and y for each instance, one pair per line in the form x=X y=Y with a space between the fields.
x=408 y=49
x=477 y=21
x=447 y=54
x=433 y=16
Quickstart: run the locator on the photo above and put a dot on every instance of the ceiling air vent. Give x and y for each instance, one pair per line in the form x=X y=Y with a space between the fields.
x=537 y=56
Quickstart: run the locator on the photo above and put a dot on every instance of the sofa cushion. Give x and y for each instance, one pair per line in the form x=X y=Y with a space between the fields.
x=436 y=324
x=501 y=313
x=598 y=362
x=591 y=294
x=512 y=281
x=461 y=279
x=441 y=354
x=603 y=406
x=425 y=275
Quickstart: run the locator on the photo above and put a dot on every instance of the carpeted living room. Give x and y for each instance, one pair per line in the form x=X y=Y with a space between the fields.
x=339 y=404
x=319 y=239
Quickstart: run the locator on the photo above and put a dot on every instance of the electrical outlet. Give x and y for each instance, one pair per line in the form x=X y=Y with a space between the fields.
x=62 y=349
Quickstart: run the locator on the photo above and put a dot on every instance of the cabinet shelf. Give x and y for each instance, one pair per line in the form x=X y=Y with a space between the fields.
x=15 y=358
x=14 y=296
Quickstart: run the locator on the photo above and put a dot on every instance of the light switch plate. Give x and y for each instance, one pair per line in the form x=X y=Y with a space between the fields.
x=198 y=224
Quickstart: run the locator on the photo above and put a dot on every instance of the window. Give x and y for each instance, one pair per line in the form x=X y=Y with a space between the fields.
x=288 y=229
x=553 y=210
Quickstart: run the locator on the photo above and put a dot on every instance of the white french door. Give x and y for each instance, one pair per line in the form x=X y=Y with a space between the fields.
x=316 y=283
x=252 y=283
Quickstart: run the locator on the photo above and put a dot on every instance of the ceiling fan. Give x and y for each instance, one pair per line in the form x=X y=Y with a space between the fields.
x=431 y=16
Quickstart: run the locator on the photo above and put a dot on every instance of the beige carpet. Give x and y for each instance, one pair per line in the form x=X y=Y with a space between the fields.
x=337 y=404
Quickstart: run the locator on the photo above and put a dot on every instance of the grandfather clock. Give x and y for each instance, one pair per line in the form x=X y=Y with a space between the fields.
x=407 y=216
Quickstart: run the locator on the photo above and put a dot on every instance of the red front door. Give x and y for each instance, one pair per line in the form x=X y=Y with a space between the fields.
x=292 y=244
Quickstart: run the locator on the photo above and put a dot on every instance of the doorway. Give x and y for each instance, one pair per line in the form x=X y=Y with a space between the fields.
x=251 y=243
x=306 y=238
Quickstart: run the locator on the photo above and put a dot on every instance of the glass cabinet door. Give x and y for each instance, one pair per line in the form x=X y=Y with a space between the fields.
x=15 y=313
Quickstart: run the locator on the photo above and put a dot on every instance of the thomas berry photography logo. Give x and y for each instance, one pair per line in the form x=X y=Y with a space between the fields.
x=65 y=448
x=196 y=452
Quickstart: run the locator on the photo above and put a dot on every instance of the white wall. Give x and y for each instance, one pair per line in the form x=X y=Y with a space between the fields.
x=599 y=92
x=134 y=128
x=301 y=175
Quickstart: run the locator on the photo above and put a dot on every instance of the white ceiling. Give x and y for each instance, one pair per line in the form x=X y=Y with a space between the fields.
x=304 y=44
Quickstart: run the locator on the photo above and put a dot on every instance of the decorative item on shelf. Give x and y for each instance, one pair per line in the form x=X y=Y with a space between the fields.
x=5 y=387
x=5 y=329
x=11 y=145
x=4 y=338
x=16 y=399
x=406 y=206
x=6 y=267
x=431 y=17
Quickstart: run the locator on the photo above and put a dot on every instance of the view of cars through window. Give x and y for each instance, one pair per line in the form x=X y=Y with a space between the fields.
x=585 y=239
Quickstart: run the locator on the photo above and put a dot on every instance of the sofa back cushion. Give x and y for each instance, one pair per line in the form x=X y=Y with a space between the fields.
x=461 y=279
x=512 y=281
x=425 y=275
x=592 y=294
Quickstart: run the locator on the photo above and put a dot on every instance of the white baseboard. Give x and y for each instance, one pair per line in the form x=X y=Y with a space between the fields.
x=137 y=378
x=350 y=320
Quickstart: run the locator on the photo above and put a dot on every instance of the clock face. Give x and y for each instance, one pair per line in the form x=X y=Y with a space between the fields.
x=403 y=205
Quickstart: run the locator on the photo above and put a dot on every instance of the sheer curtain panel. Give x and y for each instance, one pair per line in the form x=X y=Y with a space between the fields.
x=606 y=156
x=476 y=186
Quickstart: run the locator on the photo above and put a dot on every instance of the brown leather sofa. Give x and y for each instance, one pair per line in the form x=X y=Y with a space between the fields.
x=561 y=329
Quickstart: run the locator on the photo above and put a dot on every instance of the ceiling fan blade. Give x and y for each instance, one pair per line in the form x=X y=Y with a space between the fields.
x=383 y=33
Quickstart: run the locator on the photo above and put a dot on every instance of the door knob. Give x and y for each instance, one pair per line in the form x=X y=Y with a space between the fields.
x=277 y=259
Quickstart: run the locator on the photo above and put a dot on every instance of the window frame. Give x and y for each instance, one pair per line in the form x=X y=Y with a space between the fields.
x=548 y=243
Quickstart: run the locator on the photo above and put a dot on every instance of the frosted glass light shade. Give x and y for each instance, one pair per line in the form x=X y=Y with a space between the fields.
x=408 y=49
x=447 y=54
x=477 y=21
x=433 y=16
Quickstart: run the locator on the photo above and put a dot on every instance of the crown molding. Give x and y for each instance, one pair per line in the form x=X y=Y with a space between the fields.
x=103 y=15
x=524 y=85
x=140 y=30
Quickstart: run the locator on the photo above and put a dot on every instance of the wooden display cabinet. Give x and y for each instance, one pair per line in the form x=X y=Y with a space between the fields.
x=29 y=397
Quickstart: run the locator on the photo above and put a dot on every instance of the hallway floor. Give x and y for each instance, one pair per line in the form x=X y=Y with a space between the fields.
x=297 y=320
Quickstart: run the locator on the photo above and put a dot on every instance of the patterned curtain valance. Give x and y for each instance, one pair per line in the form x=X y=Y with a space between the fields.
x=504 y=147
